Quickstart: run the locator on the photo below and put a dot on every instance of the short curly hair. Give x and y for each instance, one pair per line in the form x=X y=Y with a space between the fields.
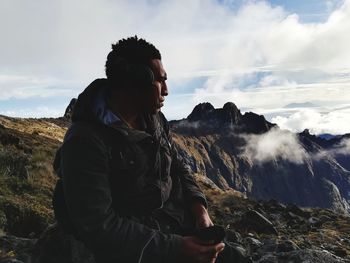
x=130 y=50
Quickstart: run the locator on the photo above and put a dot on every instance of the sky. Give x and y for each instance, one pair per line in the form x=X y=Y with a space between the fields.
x=287 y=60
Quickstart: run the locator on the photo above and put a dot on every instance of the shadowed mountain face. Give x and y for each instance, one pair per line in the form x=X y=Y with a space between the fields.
x=205 y=119
x=247 y=153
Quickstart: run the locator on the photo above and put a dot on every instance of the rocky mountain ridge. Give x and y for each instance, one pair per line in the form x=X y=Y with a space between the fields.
x=251 y=155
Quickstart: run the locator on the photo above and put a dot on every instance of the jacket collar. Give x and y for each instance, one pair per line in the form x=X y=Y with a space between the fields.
x=93 y=106
x=150 y=125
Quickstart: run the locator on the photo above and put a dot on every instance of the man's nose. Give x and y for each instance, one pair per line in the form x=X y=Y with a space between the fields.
x=165 y=90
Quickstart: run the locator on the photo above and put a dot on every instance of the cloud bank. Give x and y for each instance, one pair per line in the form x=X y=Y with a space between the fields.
x=334 y=122
x=273 y=59
x=274 y=145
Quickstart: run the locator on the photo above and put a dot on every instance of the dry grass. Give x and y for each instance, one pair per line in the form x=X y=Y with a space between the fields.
x=27 y=178
x=41 y=127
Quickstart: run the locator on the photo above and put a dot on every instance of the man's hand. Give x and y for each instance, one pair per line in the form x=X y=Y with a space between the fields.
x=195 y=250
x=201 y=214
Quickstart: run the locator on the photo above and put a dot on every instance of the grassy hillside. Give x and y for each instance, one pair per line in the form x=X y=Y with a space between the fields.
x=27 y=149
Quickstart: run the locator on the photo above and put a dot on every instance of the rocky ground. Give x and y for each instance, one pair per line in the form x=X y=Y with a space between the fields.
x=267 y=230
x=273 y=232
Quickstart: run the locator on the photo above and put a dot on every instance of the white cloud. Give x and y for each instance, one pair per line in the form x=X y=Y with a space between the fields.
x=300 y=62
x=272 y=97
x=21 y=87
x=282 y=41
x=37 y=112
x=334 y=122
x=343 y=148
x=69 y=41
x=274 y=145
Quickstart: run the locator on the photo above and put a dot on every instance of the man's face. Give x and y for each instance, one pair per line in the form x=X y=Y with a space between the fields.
x=156 y=97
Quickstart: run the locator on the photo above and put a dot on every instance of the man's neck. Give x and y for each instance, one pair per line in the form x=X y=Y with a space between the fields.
x=122 y=109
x=130 y=118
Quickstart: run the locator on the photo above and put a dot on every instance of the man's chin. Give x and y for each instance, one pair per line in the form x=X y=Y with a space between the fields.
x=156 y=110
x=153 y=111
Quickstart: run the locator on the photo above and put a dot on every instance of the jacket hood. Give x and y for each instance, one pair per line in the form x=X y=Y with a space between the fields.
x=91 y=104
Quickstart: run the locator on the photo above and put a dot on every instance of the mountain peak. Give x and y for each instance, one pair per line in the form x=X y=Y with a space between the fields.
x=230 y=106
x=210 y=119
x=232 y=112
x=205 y=112
x=201 y=111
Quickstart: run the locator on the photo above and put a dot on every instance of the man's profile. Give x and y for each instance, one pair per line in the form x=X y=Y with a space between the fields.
x=124 y=190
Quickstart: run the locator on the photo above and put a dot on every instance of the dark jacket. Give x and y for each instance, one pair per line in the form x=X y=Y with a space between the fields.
x=114 y=180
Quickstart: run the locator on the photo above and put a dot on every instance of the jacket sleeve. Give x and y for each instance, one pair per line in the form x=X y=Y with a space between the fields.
x=88 y=197
x=178 y=166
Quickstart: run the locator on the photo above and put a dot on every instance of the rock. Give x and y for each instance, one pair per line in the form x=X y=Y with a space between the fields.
x=233 y=236
x=292 y=216
x=251 y=234
x=325 y=218
x=55 y=246
x=297 y=210
x=298 y=256
x=17 y=249
x=345 y=240
x=238 y=253
x=269 y=245
x=340 y=252
x=286 y=246
x=314 y=221
x=252 y=243
x=273 y=205
x=254 y=220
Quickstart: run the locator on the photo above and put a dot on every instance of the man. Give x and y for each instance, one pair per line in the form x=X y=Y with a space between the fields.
x=124 y=190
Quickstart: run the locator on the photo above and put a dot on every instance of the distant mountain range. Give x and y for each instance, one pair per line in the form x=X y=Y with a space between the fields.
x=328 y=136
x=301 y=105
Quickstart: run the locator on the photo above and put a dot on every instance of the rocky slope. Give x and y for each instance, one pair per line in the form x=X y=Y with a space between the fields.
x=253 y=184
